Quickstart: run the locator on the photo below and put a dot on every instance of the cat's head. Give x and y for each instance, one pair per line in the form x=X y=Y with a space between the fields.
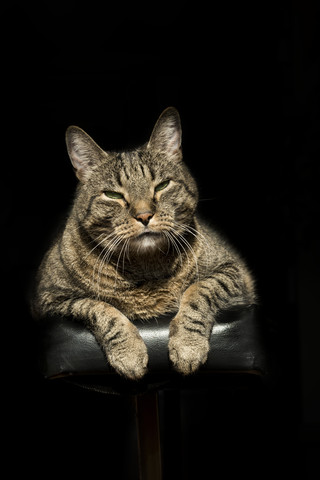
x=143 y=199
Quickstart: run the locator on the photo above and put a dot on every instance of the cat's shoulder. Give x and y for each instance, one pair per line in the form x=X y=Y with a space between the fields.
x=211 y=231
x=215 y=242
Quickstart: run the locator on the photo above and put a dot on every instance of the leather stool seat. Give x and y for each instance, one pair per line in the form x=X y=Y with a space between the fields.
x=68 y=350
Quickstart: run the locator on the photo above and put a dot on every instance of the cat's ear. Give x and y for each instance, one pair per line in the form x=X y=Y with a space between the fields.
x=166 y=135
x=84 y=153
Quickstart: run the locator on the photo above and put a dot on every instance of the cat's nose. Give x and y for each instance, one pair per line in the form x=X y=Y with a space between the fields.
x=144 y=217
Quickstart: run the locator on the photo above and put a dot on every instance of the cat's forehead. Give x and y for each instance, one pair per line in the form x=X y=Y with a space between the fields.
x=130 y=166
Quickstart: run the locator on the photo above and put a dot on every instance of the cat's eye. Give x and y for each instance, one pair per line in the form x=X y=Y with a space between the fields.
x=162 y=185
x=111 y=194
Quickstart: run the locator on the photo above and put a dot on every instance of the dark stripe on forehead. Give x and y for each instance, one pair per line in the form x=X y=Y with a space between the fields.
x=145 y=171
x=141 y=169
x=118 y=177
x=151 y=170
x=143 y=166
x=134 y=163
x=140 y=166
x=122 y=168
x=126 y=171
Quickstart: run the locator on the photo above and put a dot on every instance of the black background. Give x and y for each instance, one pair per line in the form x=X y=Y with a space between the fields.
x=245 y=78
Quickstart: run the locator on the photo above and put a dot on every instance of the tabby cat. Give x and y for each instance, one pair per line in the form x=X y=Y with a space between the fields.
x=133 y=248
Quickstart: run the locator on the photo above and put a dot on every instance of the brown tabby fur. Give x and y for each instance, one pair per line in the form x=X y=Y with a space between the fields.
x=140 y=255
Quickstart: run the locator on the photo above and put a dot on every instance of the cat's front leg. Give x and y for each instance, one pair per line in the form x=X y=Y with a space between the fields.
x=124 y=348
x=229 y=285
x=190 y=330
x=118 y=337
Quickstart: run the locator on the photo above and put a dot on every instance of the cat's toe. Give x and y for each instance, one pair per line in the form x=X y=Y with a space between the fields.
x=186 y=359
x=133 y=364
x=136 y=368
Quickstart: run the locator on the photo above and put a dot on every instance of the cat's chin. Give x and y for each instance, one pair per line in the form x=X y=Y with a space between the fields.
x=147 y=243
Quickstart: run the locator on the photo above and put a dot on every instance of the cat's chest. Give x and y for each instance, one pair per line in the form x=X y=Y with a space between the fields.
x=149 y=299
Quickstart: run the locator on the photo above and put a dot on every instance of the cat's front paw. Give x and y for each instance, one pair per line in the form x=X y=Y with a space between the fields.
x=134 y=365
x=131 y=360
x=188 y=350
x=126 y=351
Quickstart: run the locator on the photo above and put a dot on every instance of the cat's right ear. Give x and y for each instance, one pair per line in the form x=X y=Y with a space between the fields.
x=84 y=153
x=166 y=134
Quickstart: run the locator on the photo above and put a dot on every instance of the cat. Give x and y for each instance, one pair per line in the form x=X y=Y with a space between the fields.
x=134 y=248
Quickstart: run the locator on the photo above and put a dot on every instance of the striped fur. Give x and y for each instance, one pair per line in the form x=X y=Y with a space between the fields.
x=133 y=248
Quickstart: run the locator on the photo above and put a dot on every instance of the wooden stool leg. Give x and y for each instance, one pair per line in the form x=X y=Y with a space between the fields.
x=147 y=416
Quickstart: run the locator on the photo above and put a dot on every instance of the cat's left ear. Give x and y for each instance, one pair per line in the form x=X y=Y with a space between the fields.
x=167 y=134
x=84 y=153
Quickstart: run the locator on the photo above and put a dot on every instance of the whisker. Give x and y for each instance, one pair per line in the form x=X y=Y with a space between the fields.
x=189 y=247
x=98 y=244
x=171 y=241
x=175 y=245
x=125 y=254
x=76 y=228
x=200 y=237
x=119 y=257
x=103 y=259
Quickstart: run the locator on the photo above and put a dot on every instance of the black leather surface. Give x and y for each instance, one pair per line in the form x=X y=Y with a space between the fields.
x=237 y=345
